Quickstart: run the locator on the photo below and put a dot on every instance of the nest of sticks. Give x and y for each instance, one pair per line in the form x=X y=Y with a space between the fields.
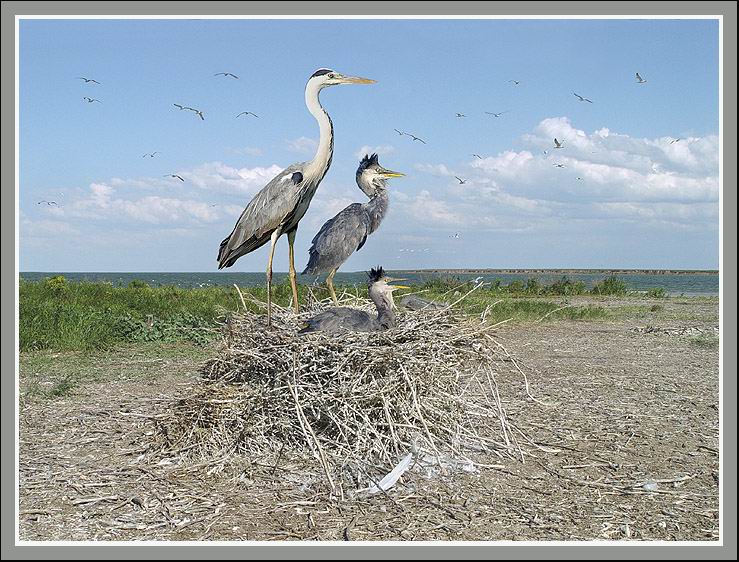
x=352 y=402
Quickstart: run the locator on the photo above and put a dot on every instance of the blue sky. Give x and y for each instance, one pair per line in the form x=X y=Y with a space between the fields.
x=643 y=200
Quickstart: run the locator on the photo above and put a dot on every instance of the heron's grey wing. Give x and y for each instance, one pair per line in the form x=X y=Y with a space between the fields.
x=341 y=319
x=338 y=239
x=265 y=212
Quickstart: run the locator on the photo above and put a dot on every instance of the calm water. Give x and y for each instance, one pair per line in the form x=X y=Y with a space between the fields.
x=674 y=284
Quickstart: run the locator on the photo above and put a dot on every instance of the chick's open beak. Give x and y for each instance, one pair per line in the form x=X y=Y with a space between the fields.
x=391 y=174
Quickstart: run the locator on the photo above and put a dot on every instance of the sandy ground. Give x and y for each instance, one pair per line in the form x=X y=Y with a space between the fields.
x=627 y=435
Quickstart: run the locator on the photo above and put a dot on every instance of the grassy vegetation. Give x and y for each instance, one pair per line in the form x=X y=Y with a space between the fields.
x=61 y=316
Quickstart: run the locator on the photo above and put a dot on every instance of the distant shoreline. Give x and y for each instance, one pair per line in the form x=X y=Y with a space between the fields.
x=567 y=271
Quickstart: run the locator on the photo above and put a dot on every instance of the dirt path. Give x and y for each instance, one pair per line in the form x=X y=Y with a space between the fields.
x=630 y=432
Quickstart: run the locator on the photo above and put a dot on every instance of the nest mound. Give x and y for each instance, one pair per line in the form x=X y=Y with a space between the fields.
x=357 y=400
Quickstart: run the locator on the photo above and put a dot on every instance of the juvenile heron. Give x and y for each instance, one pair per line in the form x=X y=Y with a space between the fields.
x=279 y=206
x=352 y=320
x=347 y=232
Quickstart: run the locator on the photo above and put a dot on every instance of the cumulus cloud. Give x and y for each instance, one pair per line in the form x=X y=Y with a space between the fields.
x=380 y=150
x=302 y=145
x=605 y=176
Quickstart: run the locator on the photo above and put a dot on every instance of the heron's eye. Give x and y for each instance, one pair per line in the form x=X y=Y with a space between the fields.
x=332 y=75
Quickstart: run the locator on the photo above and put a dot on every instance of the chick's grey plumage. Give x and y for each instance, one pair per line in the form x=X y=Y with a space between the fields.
x=347 y=232
x=344 y=319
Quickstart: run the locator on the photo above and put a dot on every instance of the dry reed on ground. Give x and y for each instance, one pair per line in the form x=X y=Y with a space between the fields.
x=355 y=402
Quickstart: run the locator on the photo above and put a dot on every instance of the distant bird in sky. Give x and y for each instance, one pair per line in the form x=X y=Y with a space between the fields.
x=247 y=113
x=515 y=82
x=558 y=165
x=196 y=111
x=401 y=133
x=639 y=79
x=477 y=156
x=90 y=100
x=496 y=114
x=545 y=152
x=49 y=203
x=673 y=141
x=415 y=138
x=558 y=144
x=579 y=178
x=460 y=180
x=151 y=154
x=461 y=115
x=214 y=204
x=174 y=176
x=580 y=98
x=455 y=235
x=180 y=107
x=88 y=80
x=226 y=74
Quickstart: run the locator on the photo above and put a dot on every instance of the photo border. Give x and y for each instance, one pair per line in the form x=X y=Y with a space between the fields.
x=569 y=550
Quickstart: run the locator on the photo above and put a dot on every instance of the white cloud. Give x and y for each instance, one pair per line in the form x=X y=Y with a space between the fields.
x=302 y=145
x=380 y=150
x=607 y=176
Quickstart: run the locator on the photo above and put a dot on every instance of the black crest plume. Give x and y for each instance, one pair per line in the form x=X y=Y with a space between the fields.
x=375 y=274
x=367 y=161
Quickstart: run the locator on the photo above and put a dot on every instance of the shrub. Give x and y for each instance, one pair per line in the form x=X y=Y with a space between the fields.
x=610 y=286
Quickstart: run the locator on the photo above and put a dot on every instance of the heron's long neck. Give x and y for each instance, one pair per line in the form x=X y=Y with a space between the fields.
x=385 y=312
x=322 y=160
x=377 y=208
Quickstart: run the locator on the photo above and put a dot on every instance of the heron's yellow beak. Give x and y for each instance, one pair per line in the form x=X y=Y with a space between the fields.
x=399 y=287
x=356 y=80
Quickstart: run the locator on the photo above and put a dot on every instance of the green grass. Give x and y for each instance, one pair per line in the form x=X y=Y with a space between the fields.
x=49 y=375
x=61 y=316
x=706 y=342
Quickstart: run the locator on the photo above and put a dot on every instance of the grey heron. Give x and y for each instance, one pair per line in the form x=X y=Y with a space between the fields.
x=88 y=80
x=247 y=113
x=151 y=154
x=279 y=206
x=49 y=203
x=496 y=114
x=639 y=79
x=515 y=82
x=460 y=180
x=226 y=75
x=558 y=165
x=174 y=176
x=461 y=115
x=673 y=141
x=347 y=232
x=415 y=138
x=341 y=319
x=90 y=100
x=558 y=144
x=477 y=156
x=580 y=98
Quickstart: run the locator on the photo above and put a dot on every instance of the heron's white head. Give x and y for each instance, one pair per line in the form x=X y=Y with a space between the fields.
x=371 y=177
x=379 y=288
x=324 y=77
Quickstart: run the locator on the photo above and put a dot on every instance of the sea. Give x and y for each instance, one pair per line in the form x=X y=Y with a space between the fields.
x=675 y=283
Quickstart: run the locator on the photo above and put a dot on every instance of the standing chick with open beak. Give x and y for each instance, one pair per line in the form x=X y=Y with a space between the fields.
x=347 y=232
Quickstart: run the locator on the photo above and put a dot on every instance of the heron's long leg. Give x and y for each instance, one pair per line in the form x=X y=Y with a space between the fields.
x=275 y=236
x=330 y=283
x=293 y=282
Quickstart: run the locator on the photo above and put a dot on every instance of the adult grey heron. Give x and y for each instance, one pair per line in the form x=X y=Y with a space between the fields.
x=639 y=79
x=347 y=232
x=279 y=206
x=580 y=98
x=341 y=319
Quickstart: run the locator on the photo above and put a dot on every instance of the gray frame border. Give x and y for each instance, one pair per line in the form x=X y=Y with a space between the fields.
x=569 y=551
